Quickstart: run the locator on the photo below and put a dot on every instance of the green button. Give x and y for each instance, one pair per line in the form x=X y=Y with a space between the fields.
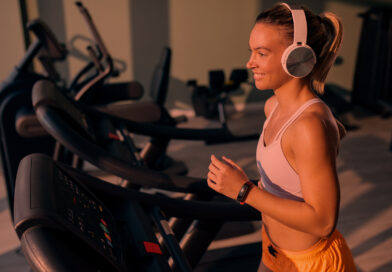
x=105 y=229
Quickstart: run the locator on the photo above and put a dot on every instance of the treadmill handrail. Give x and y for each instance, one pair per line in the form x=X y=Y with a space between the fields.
x=104 y=160
x=215 y=210
x=143 y=128
x=78 y=141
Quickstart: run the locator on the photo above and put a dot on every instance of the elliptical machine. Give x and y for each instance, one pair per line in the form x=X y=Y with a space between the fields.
x=20 y=131
x=17 y=138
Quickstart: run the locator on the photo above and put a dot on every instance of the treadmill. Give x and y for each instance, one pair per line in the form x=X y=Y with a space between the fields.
x=104 y=140
x=68 y=220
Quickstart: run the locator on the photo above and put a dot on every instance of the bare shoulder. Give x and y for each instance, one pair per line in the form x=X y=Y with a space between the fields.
x=316 y=127
x=269 y=105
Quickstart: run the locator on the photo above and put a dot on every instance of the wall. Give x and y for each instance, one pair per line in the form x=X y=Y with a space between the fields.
x=207 y=35
x=12 y=44
x=149 y=20
x=204 y=35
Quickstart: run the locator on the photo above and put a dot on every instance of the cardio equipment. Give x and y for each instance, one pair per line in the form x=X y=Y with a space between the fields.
x=22 y=136
x=92 y=134
x=68 y=220
x=154 y=154
x=104 y=141
x=21 y=133
x=83 y=129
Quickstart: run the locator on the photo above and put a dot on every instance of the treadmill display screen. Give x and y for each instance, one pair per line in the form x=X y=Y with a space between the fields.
x=87 y=217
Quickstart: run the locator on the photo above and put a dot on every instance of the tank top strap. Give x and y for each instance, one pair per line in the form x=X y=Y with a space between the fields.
x=295 y=116
x=269 y=116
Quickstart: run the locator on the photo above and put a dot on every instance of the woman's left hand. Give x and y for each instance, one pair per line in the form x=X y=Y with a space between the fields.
x=225 y=177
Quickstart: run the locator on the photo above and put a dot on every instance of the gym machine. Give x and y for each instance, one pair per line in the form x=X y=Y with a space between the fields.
x=68 y=220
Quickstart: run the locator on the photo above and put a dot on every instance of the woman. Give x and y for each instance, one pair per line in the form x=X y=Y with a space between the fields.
x=298 y=192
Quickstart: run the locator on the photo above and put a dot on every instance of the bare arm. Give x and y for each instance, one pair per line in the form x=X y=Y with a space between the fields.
x=314 y=154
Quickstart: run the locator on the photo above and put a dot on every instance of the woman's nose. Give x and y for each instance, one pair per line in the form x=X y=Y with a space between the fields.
x=250 y=64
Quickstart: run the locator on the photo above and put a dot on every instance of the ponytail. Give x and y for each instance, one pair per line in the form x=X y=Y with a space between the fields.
x=334 y=35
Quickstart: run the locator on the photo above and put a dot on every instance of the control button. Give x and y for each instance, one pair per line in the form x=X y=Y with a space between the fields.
x=103 y=222
x=100 y=208
x=104 y=228
x=107 y=236
x=109 y=243
x=151 y=247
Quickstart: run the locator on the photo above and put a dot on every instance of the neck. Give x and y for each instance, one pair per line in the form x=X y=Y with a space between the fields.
x=292 y=94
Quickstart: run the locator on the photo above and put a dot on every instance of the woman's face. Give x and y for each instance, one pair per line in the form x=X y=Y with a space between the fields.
x=267 y=45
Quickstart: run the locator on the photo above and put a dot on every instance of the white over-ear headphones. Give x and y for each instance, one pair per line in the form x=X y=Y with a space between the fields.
x=298 y=59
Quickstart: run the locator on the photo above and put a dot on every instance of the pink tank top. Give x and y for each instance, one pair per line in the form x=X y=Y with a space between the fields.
x=276 y=174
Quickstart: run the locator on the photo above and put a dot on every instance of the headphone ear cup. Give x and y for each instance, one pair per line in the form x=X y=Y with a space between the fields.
x=298 y=60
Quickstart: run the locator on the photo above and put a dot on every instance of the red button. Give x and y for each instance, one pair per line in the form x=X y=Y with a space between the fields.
x=107 y=236
x=113 y=136
x=152 y=248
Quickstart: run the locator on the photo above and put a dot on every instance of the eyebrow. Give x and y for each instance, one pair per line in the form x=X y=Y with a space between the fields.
x=262 y=47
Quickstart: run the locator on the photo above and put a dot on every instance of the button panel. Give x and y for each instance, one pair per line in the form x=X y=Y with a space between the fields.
x=86 y=215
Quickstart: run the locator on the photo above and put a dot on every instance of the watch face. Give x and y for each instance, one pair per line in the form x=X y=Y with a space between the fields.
x=244 y=191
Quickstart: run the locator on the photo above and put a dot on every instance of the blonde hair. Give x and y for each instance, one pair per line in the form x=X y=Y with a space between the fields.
x=328 y=54
x=325 y=35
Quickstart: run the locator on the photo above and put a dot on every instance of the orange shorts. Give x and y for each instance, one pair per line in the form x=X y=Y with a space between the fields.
x=330 y=254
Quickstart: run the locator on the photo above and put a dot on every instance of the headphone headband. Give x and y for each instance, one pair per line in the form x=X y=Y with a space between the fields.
x=299 y=23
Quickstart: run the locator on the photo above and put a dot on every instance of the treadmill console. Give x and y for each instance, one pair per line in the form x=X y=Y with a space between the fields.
x=59 y=202
x=86 y=216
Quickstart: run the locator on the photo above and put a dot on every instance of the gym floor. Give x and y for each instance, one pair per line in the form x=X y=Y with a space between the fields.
x=365 y=172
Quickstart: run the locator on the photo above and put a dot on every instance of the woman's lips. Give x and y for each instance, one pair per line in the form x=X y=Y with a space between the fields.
x=257 y=76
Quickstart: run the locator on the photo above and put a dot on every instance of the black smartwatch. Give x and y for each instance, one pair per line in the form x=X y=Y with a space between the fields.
x=244 y=192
